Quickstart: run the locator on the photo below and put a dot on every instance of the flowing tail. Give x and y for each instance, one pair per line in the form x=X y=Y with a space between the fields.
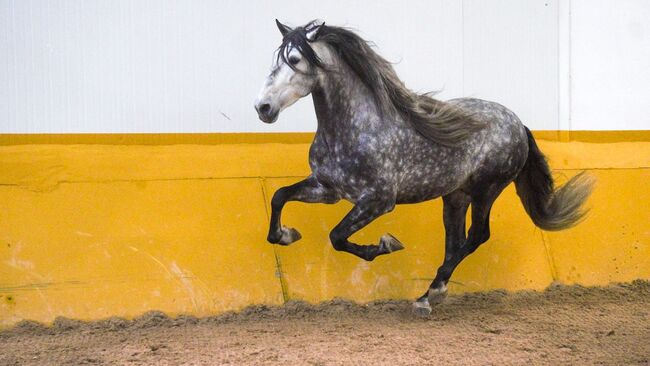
x=551 y=209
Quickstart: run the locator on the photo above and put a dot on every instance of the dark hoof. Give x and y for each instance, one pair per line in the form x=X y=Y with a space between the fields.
x=437 y=295
x=389 y=244
x=421 y=308
x=289 y=235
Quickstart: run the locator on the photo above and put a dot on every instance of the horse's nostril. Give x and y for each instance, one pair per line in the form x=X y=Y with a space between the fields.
x=265 y=108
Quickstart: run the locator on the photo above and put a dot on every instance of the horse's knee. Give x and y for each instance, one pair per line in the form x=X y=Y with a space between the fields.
x=338 y=241
x=339 y=245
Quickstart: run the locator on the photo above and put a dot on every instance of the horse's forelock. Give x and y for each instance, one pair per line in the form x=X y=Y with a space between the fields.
x=297 y=38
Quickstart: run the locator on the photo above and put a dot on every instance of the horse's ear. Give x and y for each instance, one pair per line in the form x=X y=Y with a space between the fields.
x=313 y=31
x=283 y=28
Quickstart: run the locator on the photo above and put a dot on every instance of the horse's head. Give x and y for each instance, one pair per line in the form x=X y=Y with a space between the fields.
x=296 y=67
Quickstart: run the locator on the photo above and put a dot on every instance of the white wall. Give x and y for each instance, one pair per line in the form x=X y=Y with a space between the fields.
x=610 y=64
x=196 y=66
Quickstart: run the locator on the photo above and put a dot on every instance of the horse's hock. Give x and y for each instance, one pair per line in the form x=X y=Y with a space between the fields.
x=94 y=231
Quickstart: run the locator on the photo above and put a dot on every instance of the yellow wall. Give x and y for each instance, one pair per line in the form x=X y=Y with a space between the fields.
x=90 y=231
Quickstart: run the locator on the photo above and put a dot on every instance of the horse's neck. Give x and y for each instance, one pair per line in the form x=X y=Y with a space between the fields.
x=343 y=103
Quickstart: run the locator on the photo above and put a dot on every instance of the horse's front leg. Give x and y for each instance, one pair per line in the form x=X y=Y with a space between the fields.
x=308 y=190
x=365 y=211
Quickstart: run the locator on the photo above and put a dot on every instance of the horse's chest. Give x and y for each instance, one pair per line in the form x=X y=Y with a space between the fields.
x=348 y=172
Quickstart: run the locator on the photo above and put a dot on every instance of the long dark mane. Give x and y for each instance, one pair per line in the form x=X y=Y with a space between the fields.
x=437 y=120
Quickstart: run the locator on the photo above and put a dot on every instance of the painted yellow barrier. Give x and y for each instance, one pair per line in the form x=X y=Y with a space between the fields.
x=92 y=231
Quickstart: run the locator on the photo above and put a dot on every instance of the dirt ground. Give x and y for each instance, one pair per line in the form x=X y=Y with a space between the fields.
x=562 y=325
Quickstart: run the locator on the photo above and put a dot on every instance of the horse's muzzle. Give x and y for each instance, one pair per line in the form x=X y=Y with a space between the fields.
x=266 y=113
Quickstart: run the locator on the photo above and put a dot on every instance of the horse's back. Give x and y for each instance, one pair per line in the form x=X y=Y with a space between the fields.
x=498 y=118
x=503 y=142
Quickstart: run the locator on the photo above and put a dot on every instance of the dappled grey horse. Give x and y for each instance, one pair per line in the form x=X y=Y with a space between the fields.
x=379 y=144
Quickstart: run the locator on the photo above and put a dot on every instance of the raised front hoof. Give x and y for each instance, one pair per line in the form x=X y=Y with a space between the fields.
x=389 y=244
x=288 y=235
x=437 y=295
x=421 y=308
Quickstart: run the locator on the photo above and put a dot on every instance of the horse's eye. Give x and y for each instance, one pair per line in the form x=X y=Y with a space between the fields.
x=294 y=60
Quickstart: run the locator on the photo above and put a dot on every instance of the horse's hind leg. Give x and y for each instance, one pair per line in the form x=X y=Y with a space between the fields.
x=456 y=250
x=308 y=190
x=364 y=212
x=454 y=210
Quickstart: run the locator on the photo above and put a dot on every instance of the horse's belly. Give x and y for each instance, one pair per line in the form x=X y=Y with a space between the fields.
x=421 y=189
x=420 y=194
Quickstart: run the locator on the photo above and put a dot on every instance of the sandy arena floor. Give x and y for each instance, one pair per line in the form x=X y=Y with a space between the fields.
x=563 y=325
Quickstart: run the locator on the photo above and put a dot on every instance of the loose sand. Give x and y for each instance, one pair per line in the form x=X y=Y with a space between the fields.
x=562 y=325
